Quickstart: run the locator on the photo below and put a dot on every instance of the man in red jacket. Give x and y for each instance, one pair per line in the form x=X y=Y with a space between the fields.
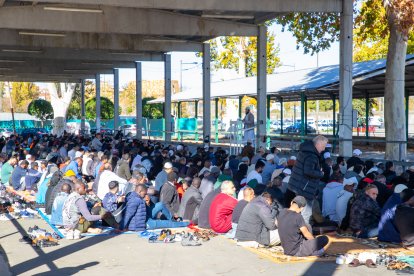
x=222 y=207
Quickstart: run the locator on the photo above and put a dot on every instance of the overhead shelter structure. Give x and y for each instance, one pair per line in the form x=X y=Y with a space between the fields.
x=321 y=83
x=73 y=40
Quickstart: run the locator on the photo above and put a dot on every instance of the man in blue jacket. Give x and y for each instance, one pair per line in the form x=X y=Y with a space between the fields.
x=135 y=217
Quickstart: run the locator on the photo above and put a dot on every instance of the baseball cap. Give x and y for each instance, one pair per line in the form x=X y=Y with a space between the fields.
x=292 y=158
x=327 y=155
x=300 y=201
x=399 y=188
x=270 y=157
x=357 y=152
x=350 y=181
x=168 y=165
x=69 y=173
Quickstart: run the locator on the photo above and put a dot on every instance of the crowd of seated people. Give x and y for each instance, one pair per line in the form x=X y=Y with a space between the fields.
x=258 y=198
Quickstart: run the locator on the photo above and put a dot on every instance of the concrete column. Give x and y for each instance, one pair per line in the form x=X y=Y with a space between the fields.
x=83 y=107
x=345 y=78
x=167 y=105
x=240 y=107
x=138 y=99
x=195 y=109
x=206 y=92
x=116 y=99
x=261 y=84
x=407 y=112
x=98 y=102
x=302 y=114
x=334 y=115
x=281 y=115
x=367 y=115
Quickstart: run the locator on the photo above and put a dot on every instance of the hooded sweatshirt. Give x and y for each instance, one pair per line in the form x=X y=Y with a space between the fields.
x=330 y=196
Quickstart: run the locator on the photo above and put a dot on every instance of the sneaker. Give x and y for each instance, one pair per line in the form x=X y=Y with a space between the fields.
x=190 y=240
x=76 y=234
x=69 y=235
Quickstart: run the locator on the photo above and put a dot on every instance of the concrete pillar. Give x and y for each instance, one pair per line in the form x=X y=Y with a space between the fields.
x=206 y=92
x=98 y=102
x=195 y=109
x=345 y=79
x=138 y=99
x=281 y=115
x=83 y=117
x=240 y=106
x=334 y=115
x=261 y=84
x=167 y=104
x=407 y=112
x=366 y=115
x=116 y=99
x=302 y=114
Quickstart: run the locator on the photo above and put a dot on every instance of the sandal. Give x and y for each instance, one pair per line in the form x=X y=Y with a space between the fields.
x=370 y=263
x=354 y=263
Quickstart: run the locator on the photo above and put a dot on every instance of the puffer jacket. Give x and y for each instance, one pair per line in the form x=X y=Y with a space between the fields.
x=135 y=215
x=256 y=222
x=306 y=173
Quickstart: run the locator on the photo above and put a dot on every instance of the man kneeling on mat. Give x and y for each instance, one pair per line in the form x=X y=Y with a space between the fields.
x=76 y=217
x=294 y=235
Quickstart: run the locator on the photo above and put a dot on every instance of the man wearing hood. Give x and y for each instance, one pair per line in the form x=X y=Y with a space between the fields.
x=307 y=173
x=344 y=196
x=330 y=196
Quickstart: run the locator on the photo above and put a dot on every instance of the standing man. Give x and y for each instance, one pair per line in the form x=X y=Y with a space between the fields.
x=248 y=122
x=306 y=174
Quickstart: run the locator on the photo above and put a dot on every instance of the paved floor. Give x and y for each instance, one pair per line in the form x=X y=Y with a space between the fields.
x=130 y=255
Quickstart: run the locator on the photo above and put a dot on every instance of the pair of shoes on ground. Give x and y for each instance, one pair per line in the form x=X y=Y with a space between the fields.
x=190 y=240
x=73 y=234
x=369 y=263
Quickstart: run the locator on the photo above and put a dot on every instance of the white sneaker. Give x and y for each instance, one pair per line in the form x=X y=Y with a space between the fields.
x=69 y=235
x=76 y=234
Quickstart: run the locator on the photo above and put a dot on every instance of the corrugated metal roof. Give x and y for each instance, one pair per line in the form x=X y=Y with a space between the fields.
x=310 y=80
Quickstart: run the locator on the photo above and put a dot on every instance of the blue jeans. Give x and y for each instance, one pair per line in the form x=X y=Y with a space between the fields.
x=160 y=207
x=157 y=224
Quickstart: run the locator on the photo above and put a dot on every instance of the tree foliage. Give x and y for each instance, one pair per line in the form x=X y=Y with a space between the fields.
x=107 y=109
x=240 y=54
x=41 y=109
x=22 y=94
x=151 y=111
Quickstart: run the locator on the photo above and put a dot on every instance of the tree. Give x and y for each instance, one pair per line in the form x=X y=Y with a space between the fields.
x=74 y=109
x=107 y=109
x=61 y=96
x=22 y=94
x=151 y=111
x=41 y=109
x=240 y=53
x=316 y=31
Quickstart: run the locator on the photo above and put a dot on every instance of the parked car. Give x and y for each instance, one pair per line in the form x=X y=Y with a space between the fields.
x=296 y=128
x=128 y=130
x=35 y=131
x=6 y=132
x=104 y=131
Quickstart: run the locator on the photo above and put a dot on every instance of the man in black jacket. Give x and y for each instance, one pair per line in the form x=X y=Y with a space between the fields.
x=306 y=173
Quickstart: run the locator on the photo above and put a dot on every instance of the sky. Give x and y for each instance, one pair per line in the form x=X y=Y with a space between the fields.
x=291 y=59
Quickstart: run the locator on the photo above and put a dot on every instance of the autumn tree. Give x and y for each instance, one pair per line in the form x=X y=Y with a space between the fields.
x=22 y=94
x=240 y=54
x=316 y=31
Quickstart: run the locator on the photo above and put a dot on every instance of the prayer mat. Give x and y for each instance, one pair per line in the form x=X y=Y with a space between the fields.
x=337 y=245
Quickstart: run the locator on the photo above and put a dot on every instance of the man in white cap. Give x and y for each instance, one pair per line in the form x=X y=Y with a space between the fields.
x=162 y=176
x=268 y=169
x=355 y=160
x=387 y=231
x=344 y=196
